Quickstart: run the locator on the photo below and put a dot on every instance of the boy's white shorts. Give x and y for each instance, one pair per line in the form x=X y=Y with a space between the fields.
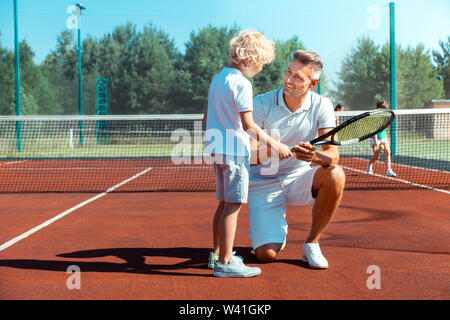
x=232 y=178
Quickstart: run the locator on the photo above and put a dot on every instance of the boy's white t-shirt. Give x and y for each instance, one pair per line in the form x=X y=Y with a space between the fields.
x=229 y=94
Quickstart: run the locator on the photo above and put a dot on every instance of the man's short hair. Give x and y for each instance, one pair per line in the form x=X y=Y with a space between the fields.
x=251 y=46
x=310 y=58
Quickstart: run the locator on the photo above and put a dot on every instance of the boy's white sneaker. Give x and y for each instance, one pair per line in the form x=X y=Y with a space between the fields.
x=235 y=269
x=313 y=256
x=214 y=257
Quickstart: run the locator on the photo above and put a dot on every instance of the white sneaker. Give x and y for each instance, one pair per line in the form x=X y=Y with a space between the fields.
x=213 y=258
x=390 y=173
x=235 y=269
x=313 y=256
x=369 y=169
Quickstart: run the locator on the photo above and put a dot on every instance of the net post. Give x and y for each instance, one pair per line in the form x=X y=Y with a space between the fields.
x=393 y=75
x=319 y=91
x=17 y=78
x=80 y=82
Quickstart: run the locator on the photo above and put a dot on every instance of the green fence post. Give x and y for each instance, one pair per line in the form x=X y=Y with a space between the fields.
x=393 y=76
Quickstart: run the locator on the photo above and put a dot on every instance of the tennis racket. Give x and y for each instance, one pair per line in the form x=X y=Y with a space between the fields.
x=356 y=129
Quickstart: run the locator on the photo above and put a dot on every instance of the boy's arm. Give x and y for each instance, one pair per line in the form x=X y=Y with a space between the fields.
x=258 y=134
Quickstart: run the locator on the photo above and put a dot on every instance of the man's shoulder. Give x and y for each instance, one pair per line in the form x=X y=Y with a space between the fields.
x=319 y=100
x=268 y=94
x=267 y=98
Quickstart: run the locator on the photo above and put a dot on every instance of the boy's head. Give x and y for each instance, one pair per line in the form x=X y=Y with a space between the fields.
x=250 y=47
x=381 y=104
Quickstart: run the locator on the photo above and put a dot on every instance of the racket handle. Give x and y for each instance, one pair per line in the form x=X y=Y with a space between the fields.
x=314 y=144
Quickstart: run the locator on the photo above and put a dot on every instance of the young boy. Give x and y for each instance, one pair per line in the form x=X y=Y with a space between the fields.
x=229 y=124
x=380 y=141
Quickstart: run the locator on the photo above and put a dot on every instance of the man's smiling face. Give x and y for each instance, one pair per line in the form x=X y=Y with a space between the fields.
x=297 y=80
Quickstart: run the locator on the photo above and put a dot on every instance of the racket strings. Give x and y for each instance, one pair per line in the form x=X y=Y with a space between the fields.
x=363 y=128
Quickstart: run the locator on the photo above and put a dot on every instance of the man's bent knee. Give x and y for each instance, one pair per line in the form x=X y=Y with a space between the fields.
x=268 y=252
x=333 y=173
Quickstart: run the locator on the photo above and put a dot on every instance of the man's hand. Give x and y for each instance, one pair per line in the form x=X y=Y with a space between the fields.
x=305 y=151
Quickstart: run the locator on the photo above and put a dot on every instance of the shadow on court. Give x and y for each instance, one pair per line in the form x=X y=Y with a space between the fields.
x=136 y=260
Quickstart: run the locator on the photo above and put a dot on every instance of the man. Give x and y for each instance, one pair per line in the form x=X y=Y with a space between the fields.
x=297 y=115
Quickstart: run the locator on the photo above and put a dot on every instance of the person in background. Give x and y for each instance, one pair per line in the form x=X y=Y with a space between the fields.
x=339 y=107
x=380 y=141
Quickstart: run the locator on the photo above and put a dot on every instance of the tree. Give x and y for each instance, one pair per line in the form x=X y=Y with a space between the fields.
x=139 y=66
x=365 y=73
x=206 y=54
x=360 y=82
x=140 y=70
x=7 y=101
x=417 y=81
x=271 y=77
x=35 y=93
x=59 y=68
x=443 y=64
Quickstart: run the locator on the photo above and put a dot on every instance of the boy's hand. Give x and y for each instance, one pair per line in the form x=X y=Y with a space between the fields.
x=284 y=151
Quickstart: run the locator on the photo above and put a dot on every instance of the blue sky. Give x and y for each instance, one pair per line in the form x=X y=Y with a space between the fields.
x=329 y=27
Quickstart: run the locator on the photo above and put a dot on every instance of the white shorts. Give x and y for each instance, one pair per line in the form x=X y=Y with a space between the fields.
x=267 y=204
x=232 y=178
x=380 y=141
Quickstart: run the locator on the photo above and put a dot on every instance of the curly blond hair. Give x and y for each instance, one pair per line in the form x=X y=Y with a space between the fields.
x=250 y=46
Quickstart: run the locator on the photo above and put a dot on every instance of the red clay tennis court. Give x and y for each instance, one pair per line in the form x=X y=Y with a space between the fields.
x=155 y=246
x=92 y=215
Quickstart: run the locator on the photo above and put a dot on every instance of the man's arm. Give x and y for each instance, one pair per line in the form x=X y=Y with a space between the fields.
x=329 y=154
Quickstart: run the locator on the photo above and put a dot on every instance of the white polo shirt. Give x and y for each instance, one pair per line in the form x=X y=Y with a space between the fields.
x=229 y=94
x=271 y=113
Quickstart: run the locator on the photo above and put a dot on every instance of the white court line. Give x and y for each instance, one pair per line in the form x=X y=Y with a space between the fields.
x=407 y=166
x=65 y=213
x=397 y=179
x=109 y=168
x=12 y=162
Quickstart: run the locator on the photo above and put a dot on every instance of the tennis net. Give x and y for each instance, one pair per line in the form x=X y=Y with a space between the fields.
x=165 y=153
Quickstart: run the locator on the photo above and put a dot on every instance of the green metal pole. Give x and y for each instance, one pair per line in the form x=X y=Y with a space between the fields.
x=17 y=78
x=318 y=87
x=80 y=83
x=393 y=75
